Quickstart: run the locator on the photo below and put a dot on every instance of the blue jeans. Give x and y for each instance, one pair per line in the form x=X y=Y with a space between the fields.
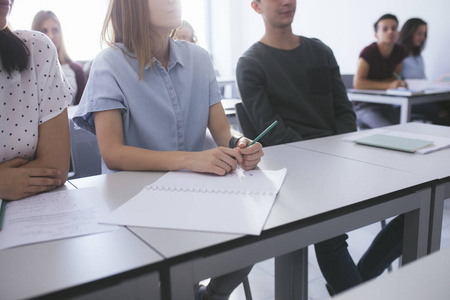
x=338 y=267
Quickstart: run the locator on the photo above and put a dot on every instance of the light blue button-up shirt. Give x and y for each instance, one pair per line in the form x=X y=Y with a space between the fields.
x=166 y=111
x=413 y=67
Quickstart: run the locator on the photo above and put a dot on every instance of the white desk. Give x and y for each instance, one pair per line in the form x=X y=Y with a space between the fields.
x=321 y=197
x=405 y=102
x=434 y=165
x=426 y=278
x=113 y=265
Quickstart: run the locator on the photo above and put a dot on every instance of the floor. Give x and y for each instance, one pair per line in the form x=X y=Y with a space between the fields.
x=262 y=276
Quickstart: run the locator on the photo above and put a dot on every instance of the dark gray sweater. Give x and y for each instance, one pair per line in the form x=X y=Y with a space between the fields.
x=301 y=88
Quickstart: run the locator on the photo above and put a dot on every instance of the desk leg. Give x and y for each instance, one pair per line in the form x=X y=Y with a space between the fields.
x=437 y=211
x=415 y=236
x=405 y=111
x=291 y=275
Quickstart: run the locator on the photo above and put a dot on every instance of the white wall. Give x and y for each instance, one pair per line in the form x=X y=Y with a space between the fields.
x=344 y=25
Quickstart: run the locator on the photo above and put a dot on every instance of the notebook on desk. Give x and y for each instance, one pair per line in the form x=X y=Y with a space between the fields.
x=394 y=142
x=404 y=92
x=239 y=202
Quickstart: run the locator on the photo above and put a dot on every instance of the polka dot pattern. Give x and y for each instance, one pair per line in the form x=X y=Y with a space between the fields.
x=30 y=98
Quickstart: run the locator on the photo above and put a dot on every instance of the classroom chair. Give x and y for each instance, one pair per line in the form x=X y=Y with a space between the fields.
x=85 y=155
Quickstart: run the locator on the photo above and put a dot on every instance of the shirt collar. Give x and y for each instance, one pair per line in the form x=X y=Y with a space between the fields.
x=175 y=55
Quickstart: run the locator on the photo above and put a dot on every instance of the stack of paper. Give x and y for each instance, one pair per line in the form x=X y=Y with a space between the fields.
x=238 y=202
x=52 y=216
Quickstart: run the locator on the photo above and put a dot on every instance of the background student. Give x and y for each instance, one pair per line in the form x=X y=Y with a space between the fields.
x=34 y=131
x=185 y=32
x=414 y=36
x=149 y=100
x=376 y=67
x=47 y=22
x=296 y=81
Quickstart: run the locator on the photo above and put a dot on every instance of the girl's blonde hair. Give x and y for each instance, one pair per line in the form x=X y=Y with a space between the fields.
x=39 y=19
x=127 y=22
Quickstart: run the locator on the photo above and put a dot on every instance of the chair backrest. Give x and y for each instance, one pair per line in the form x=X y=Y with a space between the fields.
x=85 y=155
x=247 y=127
x=348 y=80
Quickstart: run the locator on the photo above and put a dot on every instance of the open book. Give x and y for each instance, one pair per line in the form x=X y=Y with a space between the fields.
x=238 y=202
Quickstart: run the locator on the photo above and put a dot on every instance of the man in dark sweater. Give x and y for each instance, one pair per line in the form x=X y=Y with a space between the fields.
x=292 y=79
x=296 y=81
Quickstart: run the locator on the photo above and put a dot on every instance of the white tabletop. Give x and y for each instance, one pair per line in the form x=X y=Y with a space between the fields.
x=345 y=193
x=315 y=184
x=434 y=165
x=39 y=269
x=426 y=278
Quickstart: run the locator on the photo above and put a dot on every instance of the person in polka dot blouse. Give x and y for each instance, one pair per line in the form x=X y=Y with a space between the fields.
x=34 y=130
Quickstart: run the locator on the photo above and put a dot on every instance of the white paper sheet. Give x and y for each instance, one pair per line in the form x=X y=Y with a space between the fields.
x=438 y=142
x=239 y=202
x=51 y=216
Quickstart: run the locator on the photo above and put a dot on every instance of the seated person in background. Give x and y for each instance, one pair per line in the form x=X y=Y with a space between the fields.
x=185 y=32
x=413 y=36
x=34 y=131
x=47 y=22
x=296 y=81
x=376 y=67
x=149 y=100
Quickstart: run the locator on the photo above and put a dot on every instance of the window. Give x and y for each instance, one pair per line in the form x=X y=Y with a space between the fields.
x=82 y=21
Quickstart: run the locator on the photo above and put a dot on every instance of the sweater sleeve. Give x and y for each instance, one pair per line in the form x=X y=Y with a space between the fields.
x=251 y=82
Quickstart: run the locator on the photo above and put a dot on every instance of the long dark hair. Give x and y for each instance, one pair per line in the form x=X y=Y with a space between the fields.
x=407 y=35
x=13 y=52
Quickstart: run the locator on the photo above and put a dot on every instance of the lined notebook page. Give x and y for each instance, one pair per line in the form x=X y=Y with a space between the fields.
x=239 y=202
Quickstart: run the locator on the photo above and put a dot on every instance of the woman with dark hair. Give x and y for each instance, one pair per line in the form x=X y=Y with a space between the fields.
x=34 y=131
x=414 y=36
x=47 y=22
x=149 y=99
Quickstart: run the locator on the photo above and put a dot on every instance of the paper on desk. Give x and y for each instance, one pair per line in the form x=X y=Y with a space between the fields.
x=439 y=142
x=52 y=216
x=238 y=202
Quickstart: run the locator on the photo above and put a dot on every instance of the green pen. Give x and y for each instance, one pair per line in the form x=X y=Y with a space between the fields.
x=399 y=78
x=2 y=213
x=263 y=133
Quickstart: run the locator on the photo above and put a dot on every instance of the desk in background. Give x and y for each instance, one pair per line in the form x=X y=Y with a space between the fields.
x=112 y=265
x=322 y=196
x=405 y=102
x=426 y=278
x=434 y=166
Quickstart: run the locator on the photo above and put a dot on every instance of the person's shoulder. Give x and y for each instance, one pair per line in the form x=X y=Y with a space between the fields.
x=112 y=54
x=257 y=51
x=400 y=50
x=369 y=50
x=34 y=39
x=186 y=48
x=315 y=43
